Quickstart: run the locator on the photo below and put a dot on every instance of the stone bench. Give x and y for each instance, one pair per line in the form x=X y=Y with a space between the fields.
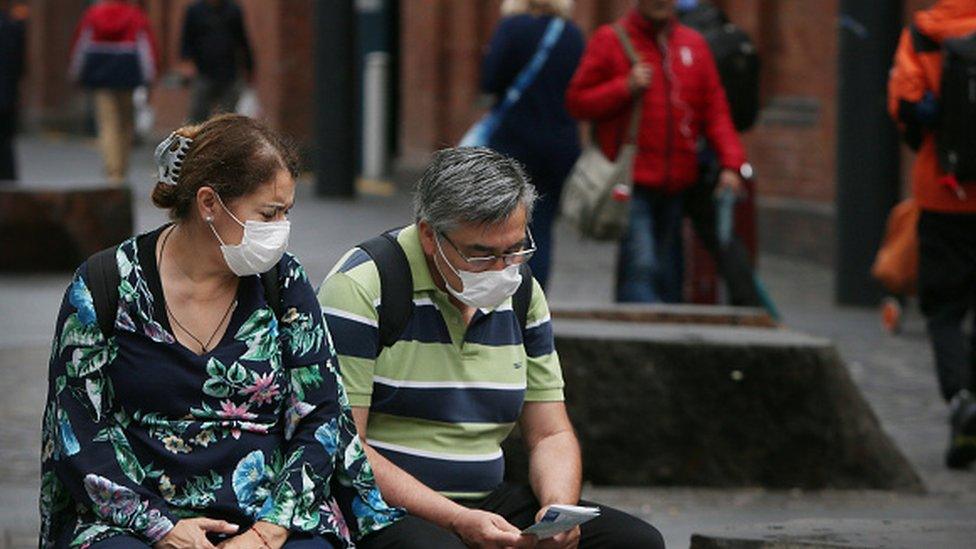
x=832 y=534
x=668 y=404
x=50 y=230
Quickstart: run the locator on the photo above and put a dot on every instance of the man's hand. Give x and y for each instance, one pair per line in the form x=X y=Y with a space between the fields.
x=729 y=180
x=487 y=530
x=275 y=535
x=567 y=540
x=192 y=534
x=640 y=77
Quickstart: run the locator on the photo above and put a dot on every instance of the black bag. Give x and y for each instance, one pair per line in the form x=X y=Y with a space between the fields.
x=396 y=287
x=956 y=135
x=736 y=59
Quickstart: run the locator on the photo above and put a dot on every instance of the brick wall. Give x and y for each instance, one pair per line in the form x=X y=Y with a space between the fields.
x=441 y=45
x=281 y=37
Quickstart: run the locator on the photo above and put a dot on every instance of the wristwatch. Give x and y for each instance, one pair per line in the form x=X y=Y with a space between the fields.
x=746 y=171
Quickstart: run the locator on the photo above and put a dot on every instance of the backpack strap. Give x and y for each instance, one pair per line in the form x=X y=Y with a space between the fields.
x=396 y=285
x=522 y=297
x=272 y=290
x=103 y=283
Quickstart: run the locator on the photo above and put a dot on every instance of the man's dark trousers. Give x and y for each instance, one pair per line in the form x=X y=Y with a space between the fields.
x=517 y=504
x=947 y=294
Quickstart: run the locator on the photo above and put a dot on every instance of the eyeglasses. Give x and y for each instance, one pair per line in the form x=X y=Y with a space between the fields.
x=484 y=262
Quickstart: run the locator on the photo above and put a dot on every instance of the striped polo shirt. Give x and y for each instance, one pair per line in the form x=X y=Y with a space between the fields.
x=444 y=396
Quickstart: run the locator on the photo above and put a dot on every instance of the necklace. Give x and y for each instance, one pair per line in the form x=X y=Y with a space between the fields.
x=204 y=346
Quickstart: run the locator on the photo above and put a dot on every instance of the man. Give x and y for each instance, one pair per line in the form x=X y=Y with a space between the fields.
x=731 y=258
x=11 y=70
x=682 y=99
x=214 y=48
x=947 y=224
x=434 y=407
x=113 y=53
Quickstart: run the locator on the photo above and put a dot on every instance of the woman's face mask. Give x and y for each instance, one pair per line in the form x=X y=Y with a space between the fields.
x=484 y=290
x=261 y=248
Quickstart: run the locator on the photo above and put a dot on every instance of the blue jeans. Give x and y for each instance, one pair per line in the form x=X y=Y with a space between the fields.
x=651 y=261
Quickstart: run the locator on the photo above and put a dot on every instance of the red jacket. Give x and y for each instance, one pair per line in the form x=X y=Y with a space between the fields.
x=114 y=47
x=684 y=102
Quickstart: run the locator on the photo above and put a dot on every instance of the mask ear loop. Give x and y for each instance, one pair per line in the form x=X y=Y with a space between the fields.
x=437 y=240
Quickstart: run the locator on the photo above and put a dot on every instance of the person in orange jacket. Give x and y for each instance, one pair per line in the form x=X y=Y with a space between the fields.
x=947 y=224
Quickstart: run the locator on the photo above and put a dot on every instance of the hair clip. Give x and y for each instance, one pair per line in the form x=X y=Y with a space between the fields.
x=170 y=155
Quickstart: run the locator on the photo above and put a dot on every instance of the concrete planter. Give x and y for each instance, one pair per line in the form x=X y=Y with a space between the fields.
x=712 y=405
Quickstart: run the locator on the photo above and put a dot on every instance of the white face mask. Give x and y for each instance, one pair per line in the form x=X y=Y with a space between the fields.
x=261 y=248
x=482 y=290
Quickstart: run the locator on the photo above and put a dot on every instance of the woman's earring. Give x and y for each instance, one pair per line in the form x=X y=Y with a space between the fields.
x=208 y=219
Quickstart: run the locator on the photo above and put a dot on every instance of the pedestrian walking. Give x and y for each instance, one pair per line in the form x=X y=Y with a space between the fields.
x=536 y=130
x=216 y=55
x=11 y=70
x=734 y=52
x=113 y=53
x=930 y=96
x=677 y=86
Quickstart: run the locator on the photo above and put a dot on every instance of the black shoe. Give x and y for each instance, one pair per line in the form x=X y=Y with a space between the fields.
x=962 y=424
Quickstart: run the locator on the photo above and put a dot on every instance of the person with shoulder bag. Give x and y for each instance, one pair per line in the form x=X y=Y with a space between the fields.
x=532 y=55
x=672 y=82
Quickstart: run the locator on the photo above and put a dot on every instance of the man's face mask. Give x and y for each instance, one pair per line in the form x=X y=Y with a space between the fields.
x=486 y=289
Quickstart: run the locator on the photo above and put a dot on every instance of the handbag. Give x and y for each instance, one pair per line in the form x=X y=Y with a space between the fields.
x=596 y=196
x=479 y=135
x=896 y=264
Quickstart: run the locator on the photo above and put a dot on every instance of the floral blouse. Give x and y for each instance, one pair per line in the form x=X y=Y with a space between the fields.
x=140 y=432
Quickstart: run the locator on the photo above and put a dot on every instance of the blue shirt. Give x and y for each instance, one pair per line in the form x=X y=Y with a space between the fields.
x=537 y=131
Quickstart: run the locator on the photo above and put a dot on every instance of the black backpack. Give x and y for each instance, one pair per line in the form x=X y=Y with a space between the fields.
x=104 y=278
x=956 y=134
x=735 y=57
x=396 y=287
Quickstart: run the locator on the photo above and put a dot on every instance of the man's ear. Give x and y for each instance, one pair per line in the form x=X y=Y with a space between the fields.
x=427 y=236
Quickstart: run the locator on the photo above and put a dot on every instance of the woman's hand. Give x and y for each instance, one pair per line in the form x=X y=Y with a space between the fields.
x=192 y=533
x=262 y=534
x=488 y=531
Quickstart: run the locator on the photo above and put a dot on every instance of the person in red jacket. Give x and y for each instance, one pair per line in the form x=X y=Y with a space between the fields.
x=682 y=98
x=114 y=52
x=947 y=223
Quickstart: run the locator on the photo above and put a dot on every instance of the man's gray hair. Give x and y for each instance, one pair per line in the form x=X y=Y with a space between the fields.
x=471 y=185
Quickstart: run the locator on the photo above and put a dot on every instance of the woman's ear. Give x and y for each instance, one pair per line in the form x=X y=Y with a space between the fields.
x=207 y=203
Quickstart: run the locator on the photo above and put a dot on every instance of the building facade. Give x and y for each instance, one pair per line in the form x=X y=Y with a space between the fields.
x=440 y=43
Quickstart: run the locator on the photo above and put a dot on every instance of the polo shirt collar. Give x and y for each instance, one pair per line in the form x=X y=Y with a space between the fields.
x=409 y=239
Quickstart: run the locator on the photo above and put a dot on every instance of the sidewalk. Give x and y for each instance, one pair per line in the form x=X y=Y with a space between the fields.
x=895 y=374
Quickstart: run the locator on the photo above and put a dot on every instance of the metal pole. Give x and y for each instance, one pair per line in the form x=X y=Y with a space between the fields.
x=335 y=98
x=375 y=107
x=867 y=143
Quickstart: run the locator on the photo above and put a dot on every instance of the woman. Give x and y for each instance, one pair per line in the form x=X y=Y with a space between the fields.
x=203 y=419
x=537 y=131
